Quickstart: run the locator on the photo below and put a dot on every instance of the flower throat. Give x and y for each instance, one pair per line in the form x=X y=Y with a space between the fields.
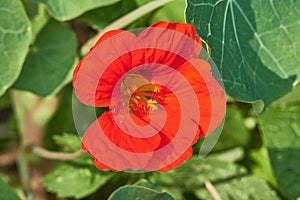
x=145 y=96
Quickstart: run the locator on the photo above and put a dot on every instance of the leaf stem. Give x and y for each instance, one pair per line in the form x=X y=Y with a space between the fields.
x=23 y=167
x=212 y=190
x=22 y=160
x=55 y=155
x=124 y=21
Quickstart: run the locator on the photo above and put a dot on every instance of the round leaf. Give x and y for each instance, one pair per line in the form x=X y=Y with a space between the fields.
x=131 y=192
x=50 y=60
x=281 y=134
x=63 y=10
x=254 y=44
x=6 y=192
x=15 y=36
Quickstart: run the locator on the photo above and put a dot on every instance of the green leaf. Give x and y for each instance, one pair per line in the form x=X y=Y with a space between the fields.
x=262 y=166
x=131 y=192
x=172 y=12
x=71 y=142
x=277 y=35
x=248 y=187
x=101 y=17
x=38 y=16
x=74 y=180
x=232 y=155
x=6 y=192
x=281 y=134
x=5 y=101
x=254 y=44
x=50 y=61
x=147 y=184
x=234 y=132
x=159 y=188
x=63 y=10
x=15 y=36
x=230 y=180
x=291 y=98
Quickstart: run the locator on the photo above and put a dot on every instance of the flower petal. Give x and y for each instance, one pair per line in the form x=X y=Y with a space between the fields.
x=186 y=29
x=159 y=53
x=101 y=39
x=179 y=161
x=116 y=149
x=122 y=139
x=144 y=62
x=210 y=95
x=91 y=68
x=177 y=38
x=100 y=69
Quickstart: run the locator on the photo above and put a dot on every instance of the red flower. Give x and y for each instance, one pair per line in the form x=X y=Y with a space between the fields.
x=161 y=97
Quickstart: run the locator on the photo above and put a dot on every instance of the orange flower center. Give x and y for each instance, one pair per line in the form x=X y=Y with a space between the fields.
x=145 y=96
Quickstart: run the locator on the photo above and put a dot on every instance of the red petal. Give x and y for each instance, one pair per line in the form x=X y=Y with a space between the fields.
x=149 y=63
x=101 y=39
x=186 y=29
x=102 y=166
x=180 y=39
x=122 y=139
x=179 y=161
x=90 y=69
x=116 y=149
x=175 y=142
x=126 y=52
x=107 y=35
x=210 y=95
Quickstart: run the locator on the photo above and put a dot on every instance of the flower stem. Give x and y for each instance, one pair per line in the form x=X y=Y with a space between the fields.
x=22 y=161
x=26 y=108
x=124 y=21
x=23 y=167
x=212 y=190
x=55 y=155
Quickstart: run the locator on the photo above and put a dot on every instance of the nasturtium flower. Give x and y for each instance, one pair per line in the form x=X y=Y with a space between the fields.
x=161 y=97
